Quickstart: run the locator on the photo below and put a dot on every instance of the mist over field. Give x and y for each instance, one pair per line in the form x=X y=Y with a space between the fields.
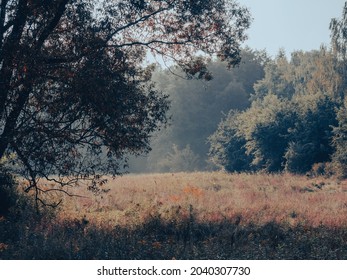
x=196 y=109
x=266 y=114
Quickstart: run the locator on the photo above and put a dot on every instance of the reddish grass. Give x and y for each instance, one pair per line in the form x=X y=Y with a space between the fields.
x=254 y=198
x=187 y=216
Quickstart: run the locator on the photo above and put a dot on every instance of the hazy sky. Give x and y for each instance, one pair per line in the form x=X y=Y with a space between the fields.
x=291 y=24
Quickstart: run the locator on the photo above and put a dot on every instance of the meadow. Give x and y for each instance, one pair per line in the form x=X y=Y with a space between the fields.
x=201 y=215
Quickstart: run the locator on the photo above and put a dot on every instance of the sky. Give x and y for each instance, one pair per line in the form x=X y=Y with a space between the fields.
x=291 y=24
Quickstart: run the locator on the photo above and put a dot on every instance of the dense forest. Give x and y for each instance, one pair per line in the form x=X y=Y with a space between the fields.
x=286 y=113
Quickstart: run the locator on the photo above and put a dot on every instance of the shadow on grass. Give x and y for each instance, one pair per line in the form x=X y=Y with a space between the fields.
x=26 y=235
x=40 y=238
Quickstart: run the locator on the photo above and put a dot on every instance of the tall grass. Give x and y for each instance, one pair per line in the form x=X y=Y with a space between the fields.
x=257 y=198
x=188 y=216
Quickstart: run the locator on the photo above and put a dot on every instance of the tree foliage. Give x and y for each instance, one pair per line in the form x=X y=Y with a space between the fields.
x=339 y=35
x=311 y=136
x=339 y=158
x=338 y=27
x=290 y=124
x=227 y=147
x=73 y=85
x=265 y=128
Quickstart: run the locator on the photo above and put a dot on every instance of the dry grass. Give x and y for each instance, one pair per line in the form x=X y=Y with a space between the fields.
x=187 y=216
x=254 y=198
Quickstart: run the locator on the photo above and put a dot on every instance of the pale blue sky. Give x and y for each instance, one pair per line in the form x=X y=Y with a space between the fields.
x=291 y=24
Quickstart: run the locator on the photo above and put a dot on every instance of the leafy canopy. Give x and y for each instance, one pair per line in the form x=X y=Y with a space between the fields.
x=290 y=124
x=73 y=81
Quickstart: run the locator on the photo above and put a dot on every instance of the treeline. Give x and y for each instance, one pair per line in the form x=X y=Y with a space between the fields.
x=277 y=114
x=296 y=119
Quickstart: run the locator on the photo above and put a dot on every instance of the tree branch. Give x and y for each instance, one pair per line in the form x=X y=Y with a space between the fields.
x=9 y=51
x=62 y=191
x=7 y=135
x=146 y=44
x=141 y=19
x=54 y=22
x=2 y=21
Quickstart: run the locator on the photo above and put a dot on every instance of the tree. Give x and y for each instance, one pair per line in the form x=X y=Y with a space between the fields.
x=73 y=85
x=277 y=79
x=297 y=120
x=227 y=147
x=338 y=28
x=311 y=136
x=308 y=73
x=265 y=126
x=338 y=35
x=339 y=157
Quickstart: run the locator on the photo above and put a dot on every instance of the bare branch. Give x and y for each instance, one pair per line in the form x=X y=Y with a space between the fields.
x=62 y=191
x=52 y=205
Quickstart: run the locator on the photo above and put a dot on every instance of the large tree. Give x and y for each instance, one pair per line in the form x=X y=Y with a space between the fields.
x=73 y=82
